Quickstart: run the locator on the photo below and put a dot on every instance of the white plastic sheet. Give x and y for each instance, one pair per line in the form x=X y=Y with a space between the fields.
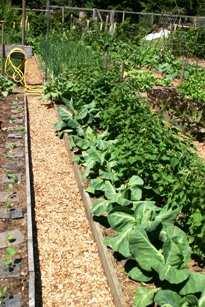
x=156 y=35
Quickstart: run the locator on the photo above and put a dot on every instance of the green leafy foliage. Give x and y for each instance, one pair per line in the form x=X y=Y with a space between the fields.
x=6 y=86
x=194 y=86
x=3 y=292
x=188 y=42
x=9 y=256
x=147 y=180
x=172 y=299
x=167 y=298
x=134 y=221
x=144 y=297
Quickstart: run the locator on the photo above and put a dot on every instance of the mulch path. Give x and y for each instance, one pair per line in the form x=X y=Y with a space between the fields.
x=71 y=270
x=33 y=75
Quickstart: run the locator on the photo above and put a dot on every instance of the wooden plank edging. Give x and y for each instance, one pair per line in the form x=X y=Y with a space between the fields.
x=105 y=255
x=30 y=243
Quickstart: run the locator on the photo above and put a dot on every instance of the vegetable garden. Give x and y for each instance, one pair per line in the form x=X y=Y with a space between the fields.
x=14 y=214
x=134 y=114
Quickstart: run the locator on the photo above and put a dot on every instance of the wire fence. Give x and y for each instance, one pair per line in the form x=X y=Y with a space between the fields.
x=119 y=16
x=186 y=33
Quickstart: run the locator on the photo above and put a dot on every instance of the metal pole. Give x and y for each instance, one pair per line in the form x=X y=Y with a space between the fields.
x=23 y=22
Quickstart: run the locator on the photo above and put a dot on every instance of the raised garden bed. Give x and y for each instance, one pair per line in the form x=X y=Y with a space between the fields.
x=16 y=244
x=145 y=179
x=122 y=288
x=119 y=264
x=185 y=114
x=115 y=265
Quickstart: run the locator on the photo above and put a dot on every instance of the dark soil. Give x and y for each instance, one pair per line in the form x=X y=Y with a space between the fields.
x=184 y=114
x=12 y=162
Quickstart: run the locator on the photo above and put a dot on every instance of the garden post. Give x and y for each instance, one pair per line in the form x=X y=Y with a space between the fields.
x=106 y=22
x=112 y=17
x=3 y=45
x=23 y=22
x=94 y=14
x=63 y=14
x=123 y=17
x=122 y=71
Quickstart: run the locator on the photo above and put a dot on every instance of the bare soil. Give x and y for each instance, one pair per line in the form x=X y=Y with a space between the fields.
x=13 y=107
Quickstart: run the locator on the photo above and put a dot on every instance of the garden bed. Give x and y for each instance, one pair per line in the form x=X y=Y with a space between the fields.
x=122 y=288
x=184 y=114
x=16 y=245
x=115 y=265
x=144 y=177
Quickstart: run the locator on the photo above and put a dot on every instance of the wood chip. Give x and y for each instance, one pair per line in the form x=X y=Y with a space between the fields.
x=71 y=269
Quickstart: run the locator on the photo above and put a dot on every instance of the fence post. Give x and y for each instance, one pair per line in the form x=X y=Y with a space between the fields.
x=123 y=17
x=87 y=24
x=112 y=16
x=3 y=46
x=152 y=19
x=47 y=6
x=63 y=14
x=94 y=14
x=47 y=14
x=122 y=71
x=106 y=22
x=23 y=34
x=101 y=26
x=71 y=20
x=105 y=60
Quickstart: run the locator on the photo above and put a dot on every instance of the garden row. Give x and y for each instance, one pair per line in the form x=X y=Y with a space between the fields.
x=145 y=177
x=16 y=269
x=173 y=86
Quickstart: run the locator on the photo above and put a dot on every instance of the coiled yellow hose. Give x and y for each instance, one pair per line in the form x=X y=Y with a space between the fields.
x=15 y=72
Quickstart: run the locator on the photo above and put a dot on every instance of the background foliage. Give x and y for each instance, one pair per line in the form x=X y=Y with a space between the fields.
x=183 y=6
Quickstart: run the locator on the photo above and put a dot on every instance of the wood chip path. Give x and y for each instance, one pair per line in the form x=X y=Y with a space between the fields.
x=71 y=270
x=33 y=74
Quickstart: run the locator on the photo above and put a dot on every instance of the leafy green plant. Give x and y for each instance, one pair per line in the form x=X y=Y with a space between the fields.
x=12 y=177
x=8 y=259
x=8 y=204
x=142 y=80
x=148 y=296
x=194 y=86
x=146 y=178
x=6 y=86
x=10 y=238
x=3 y=293
x=11 y=146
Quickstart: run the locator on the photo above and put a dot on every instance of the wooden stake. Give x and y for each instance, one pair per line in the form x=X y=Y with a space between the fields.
x=123 y=17
x=112 y=17
x=23 y=37
x=94 y=14
x=63 y=15
x=3 y=46
x=122 y=71
x=106 y=22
